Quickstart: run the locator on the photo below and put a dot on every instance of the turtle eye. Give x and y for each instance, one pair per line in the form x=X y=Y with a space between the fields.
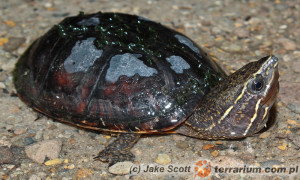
x=257 y=84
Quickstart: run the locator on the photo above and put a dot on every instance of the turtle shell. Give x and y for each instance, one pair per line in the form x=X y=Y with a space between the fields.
x=115 y=72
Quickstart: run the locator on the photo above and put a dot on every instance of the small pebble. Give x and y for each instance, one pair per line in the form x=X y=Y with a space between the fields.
x=287 y=44
x=283 y=26
x=72 y=166
x=163 y=159
x=2 y=85
x=20 y=131
x=259 y=37
x=208 y=146
x=219 y=142
x=53 y=162
x=9 y=66
x=48 y=5
x=38 y=152
x=28 y=141
x=254 y=21
x=215 y=153
x=182 y=144
x=286 y=58
x=107 y=137
x=13 y=43
x=296 y=66
x=66 y=161
x=121 y=168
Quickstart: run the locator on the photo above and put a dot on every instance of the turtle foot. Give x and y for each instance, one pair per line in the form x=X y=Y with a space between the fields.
x=113 y=157
x=119 y=150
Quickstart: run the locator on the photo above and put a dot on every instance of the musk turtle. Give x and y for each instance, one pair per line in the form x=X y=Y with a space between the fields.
x=129 y=75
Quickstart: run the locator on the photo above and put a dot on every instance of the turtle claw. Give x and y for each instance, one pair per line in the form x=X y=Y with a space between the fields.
x=102 y=157
x=119 y=150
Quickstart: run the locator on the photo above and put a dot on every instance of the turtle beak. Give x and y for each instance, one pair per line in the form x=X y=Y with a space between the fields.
x=270 y=98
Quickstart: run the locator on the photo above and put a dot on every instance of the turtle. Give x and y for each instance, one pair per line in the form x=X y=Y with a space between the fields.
x=125 y=74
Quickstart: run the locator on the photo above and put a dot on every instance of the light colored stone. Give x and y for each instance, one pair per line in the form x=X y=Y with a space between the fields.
x=53 y=162
x=9 y=66
x=121 y=168
x=2 y=85
x=39 y=151
x=182 y=144
x=287 y=44
x=72 y=166
x=296 y=66
x=215 y=153
x=20 y=131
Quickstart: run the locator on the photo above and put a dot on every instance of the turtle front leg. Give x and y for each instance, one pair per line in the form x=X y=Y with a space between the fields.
x=119 y=150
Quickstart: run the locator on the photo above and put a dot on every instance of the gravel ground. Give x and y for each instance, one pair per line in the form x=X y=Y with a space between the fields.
x=234 y=32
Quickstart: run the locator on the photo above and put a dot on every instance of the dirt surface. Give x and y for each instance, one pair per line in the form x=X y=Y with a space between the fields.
x=235 y=32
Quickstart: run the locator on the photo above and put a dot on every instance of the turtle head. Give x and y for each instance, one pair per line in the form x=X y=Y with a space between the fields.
x=240 y=104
